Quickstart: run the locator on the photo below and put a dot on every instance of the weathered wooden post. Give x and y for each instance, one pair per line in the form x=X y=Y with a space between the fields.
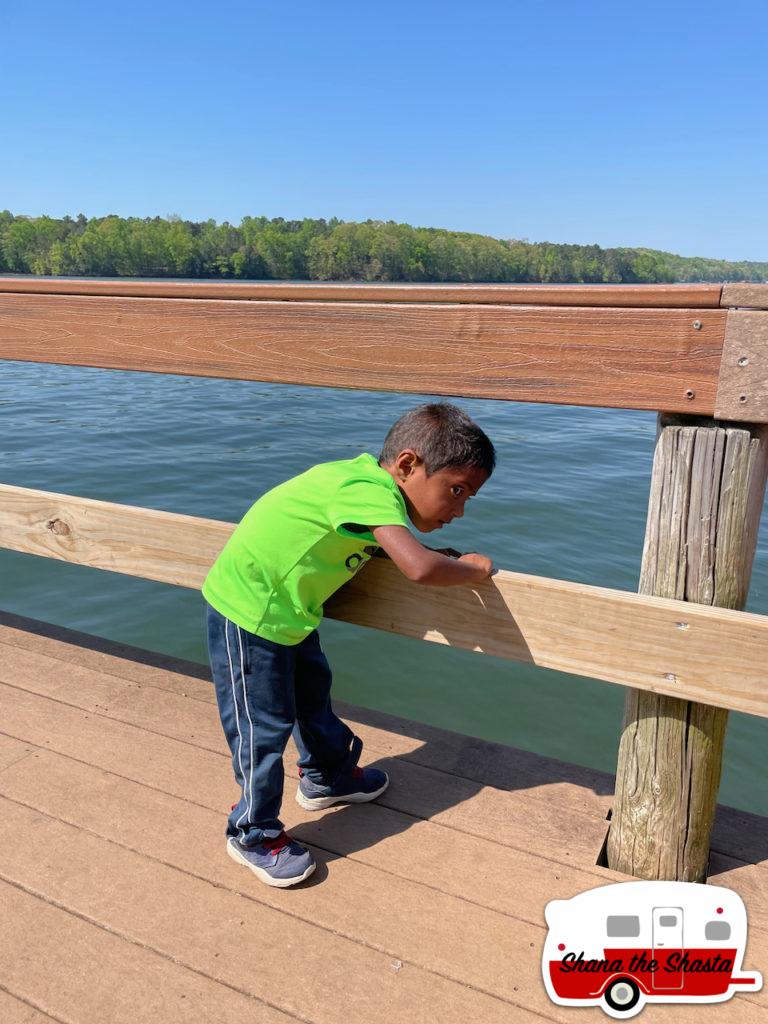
x=707 y=493
x=704 y=510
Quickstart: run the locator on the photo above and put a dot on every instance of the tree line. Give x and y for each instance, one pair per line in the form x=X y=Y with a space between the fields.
x=260 y=248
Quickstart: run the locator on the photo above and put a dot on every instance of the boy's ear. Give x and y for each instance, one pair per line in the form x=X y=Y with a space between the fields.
x=407 y=461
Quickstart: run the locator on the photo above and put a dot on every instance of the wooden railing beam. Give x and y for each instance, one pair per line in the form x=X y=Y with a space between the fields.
x=613 y=357
x=644 y=296
x=704 y=654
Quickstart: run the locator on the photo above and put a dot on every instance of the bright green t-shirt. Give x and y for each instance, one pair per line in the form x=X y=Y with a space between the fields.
x=294 y=547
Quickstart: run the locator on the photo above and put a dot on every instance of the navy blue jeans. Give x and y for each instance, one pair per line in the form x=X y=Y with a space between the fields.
x=265 y=692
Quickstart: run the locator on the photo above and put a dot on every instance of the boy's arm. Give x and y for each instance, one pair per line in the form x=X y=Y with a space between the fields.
x=423 y=565
x=381 y=553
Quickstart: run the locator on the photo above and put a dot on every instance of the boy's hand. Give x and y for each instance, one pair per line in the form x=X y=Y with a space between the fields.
x=484 y=565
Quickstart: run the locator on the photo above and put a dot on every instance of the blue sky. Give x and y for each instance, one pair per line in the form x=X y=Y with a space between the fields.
x=563 y=121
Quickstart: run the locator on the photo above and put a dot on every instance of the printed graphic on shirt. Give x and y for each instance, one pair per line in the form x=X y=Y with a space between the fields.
x=357 y=558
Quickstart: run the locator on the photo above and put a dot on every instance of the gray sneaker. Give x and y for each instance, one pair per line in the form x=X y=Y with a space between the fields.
x=355 y=787
x=280 y=861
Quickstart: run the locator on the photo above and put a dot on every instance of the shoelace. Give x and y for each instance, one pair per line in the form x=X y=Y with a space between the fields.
x=276 y=844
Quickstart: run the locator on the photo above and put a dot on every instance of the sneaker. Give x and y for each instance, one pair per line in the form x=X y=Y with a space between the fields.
x=357 y=786
x=280 y=861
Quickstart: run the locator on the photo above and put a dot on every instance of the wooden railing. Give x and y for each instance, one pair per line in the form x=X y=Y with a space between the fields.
x=704 y=654
x=696 y=351
x=623 y=347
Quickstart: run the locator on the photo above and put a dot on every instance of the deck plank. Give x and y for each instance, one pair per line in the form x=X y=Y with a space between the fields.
x=102 y=977
x=16 y=1011
x=483 y=872
x=230 y=936
x=481 y=760
x=419 y=790
x=483 y=869
x=577 y=801
x=514 y=817
x=181 y=707
x=102 y=751
x=407 y=922
x=12 y=750
x=737 y=834
x=412 y=922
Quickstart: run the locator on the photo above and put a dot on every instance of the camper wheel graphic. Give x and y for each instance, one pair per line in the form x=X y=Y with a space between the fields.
x=622 y=995
x=624 y=945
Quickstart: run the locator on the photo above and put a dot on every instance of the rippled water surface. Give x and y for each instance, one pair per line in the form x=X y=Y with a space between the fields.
x=568 y=500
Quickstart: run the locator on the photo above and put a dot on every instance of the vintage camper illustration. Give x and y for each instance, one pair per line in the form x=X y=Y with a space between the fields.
x=624 y=945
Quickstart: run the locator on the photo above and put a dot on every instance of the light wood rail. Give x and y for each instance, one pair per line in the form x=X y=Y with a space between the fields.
x=711 y=655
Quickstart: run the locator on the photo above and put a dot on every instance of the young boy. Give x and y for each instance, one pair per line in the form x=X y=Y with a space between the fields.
x=297 y=545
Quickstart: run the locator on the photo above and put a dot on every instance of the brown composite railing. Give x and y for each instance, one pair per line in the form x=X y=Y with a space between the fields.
x=695 y=351
x=633 y=347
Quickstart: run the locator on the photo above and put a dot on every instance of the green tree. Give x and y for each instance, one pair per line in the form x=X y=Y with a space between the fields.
x=263 y=248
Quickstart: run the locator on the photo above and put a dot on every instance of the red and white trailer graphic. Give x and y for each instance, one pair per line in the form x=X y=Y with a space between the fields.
x=624 y=945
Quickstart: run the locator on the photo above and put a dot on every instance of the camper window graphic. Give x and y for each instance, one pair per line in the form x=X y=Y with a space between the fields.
x=624 y=945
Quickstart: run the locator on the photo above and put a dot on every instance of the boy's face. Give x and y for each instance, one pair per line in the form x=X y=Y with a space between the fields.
x=433 y=501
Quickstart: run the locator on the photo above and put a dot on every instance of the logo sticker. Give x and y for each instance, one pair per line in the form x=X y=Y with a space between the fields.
x=624 y=945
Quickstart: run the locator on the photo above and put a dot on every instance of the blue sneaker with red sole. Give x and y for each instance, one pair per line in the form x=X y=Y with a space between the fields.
x=279 y=861
x=360 y=786
x=353 y=785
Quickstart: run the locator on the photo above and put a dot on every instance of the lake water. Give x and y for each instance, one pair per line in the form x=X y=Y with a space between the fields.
x=567 y=500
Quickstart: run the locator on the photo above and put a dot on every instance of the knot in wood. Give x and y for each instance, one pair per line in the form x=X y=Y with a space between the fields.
x=58 y=526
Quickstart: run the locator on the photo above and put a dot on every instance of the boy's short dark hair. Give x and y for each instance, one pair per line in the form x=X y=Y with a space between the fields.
x=442 y=436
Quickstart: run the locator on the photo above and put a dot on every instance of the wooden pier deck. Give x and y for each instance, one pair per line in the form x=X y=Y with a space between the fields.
x=120 y=905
